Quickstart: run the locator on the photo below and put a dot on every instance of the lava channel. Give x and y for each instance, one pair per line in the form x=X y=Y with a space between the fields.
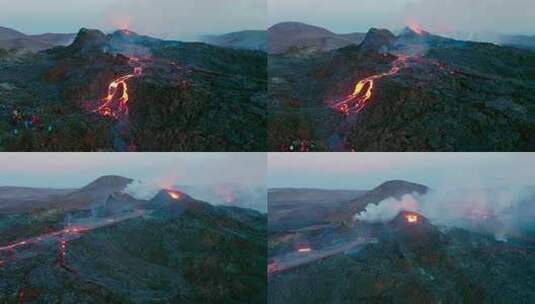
x=363 y=91
x=115 y=104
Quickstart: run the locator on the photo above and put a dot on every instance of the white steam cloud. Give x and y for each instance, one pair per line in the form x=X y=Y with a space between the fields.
x=472 y=17
x=142 y=190
x=387 y=209
x=502 y=212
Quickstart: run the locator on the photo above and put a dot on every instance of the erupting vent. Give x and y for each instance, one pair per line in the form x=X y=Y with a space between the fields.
x=411 y=218
x=174 y=195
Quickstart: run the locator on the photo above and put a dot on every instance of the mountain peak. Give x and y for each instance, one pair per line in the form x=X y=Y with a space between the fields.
x=377 y=38
x=298 y=28
x=109 y=181
x=398 y=188
x=88 y=39
x=9 y=33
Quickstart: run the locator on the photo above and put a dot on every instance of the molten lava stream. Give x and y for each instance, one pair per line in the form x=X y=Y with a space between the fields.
x=115 y=104
x=363 y=91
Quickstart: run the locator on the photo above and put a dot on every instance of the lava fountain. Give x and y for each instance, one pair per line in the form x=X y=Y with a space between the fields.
x=363 y=91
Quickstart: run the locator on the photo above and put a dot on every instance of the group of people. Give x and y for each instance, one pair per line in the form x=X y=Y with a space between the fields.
x=18 y=120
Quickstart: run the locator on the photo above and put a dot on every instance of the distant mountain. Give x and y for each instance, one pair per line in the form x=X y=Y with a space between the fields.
x=295 y=36
x=291 y=208
x=519 y=41
x=249 y=40
x=55 y=38
x=391 y=189
x=23 y=199
x=8 y=34
x=14 y=40
x=94 y=193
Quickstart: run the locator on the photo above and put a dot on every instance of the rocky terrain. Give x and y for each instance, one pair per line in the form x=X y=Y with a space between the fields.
x=428 y=93
x=180 y=96
x=408 y=259
x=113 y=248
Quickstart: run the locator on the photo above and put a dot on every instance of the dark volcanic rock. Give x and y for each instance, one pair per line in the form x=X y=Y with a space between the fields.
x=377 y=39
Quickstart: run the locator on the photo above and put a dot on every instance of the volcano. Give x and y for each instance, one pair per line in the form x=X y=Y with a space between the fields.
x=129 y=92
x=414 y=91
x=406 y=259
x=110 y=247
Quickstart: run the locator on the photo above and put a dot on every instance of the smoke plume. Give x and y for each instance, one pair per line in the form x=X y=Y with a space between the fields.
x=388 y=209
x=502 y=212
x=142 y=190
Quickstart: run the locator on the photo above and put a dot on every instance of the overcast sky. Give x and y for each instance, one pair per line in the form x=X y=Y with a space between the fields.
x=172 y=19
x=438 y=16
x=66 y=170
x=363 y=171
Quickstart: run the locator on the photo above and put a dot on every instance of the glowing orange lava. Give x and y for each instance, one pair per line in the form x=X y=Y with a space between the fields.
x=304 y=250
x=411 y=218
x=114 y=105
x=273 y=267
x=416 y=28
x=174 y=195
x=363 y=91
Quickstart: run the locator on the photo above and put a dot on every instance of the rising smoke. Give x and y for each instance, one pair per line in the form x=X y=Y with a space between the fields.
x=142 y=190
x=474 y=19
x=502 y=212
x=387 y=209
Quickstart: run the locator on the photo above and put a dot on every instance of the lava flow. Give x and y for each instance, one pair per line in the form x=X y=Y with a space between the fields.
x=364 y=89
x=304 y=250
x=115 y=104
